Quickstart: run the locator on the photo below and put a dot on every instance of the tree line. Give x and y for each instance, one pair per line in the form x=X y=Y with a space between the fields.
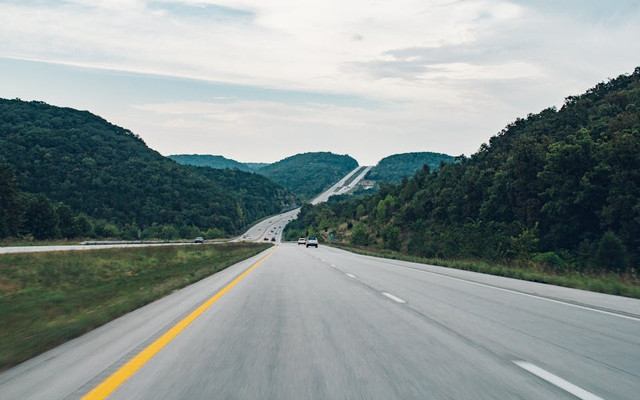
x=393 y=168
x=560 y=188
x=108 y=174
x=308 y=174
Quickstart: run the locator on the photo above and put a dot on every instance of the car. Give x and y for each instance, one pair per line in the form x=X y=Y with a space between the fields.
x=273 y=239
x=266 y=238
x=302 y=241
x=312 y=241
x=199 y=239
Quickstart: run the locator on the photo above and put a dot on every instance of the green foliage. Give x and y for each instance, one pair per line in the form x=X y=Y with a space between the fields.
x=391 y=237
x=308 y=174
x=359 y=235
x=40 y=217
x=108 y=173
x=216 y=162
x=561 y=182
x=10 y=209
x=550 y=261
x=611 y=254
x=48 y=298
x=524 y=245
x=393 y=168
x=606 y=283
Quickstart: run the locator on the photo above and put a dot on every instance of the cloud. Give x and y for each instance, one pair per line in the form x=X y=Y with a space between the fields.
x=438 y=75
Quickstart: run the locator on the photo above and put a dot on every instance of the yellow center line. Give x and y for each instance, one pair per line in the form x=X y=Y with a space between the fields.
x=109 y=385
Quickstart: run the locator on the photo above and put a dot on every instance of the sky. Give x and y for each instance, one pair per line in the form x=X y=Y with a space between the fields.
x=261 y=80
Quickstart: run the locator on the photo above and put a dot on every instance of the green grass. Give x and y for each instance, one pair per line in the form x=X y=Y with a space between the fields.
x=603 y=283
x=49 y=298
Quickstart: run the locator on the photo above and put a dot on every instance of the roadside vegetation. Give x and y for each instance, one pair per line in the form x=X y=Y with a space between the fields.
x=49 y=298
x=557 y=193
x=609 y=283
x=69 y=173
x=308 y=174
x=393 y=168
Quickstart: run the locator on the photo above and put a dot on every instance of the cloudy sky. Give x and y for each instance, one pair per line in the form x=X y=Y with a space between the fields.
x=259 y=80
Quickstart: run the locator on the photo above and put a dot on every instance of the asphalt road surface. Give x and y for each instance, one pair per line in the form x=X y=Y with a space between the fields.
x=270 y=229
x=323 y=323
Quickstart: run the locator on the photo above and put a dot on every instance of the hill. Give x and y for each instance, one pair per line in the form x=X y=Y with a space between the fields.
x=256 y=165
x=217 y=162
x=393 y=168
x=560 y=188
x=308 y=174
x=108 y=173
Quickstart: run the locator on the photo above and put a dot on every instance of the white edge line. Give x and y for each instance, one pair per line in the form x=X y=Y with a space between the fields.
x=557 y=381
x=524 y=294
x=392 y=297
x=351 y=276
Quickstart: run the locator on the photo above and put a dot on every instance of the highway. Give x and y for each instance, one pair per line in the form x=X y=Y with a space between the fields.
x=306 y=323
x=327 y=324
x=272 y=227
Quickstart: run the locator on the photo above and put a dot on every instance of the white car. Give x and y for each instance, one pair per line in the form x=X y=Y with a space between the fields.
x=312 y=241
x=302 y=241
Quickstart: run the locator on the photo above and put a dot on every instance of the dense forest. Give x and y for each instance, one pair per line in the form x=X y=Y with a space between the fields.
x=308 y=174
x=217 y=162
x=108 y=174
x=395 y=167
x=560 y=188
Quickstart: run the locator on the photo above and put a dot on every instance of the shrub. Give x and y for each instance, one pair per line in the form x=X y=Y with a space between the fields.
x=359 y=235
x=550 y=261
x=611 y=254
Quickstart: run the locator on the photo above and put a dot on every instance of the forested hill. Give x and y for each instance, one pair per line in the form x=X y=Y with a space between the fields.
x=393 y=168
x=308 y=174
x=217 y=162
x=559 y=187
x=109 y=173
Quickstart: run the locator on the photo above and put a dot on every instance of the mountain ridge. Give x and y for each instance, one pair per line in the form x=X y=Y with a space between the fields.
x=108 y=173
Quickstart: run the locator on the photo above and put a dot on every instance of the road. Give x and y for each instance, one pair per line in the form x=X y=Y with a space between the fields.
x=271 y=228
x=40 y=249
x=327 y=324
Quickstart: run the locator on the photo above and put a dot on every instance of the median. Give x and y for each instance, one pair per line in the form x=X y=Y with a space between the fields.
x=49 y=298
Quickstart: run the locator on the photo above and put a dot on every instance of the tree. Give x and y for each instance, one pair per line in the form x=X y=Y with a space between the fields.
x=611 y=254
x=10 y=209
x=359 y=235
x=40 y=218
x=66 y=222
x=391 y=237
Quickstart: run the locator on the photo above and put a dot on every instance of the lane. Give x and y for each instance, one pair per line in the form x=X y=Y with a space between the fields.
x=324 y=323
x=270 y=229
x=297 y=328
x=571 y=337
x=72 y=369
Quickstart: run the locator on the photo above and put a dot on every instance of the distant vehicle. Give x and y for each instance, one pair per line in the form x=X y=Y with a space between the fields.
x=273 y=239
x=199 y=239
x=302 y=241
x=312 y=241
x=266 y=238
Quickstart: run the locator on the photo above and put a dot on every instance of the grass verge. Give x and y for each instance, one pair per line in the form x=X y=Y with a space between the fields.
x=49 y=298
x=603 y=283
